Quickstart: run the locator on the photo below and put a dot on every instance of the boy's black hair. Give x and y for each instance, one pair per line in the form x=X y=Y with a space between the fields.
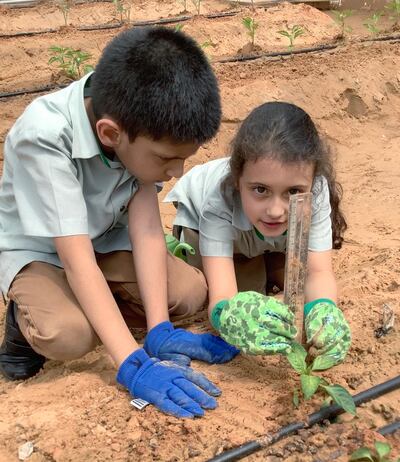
x=157 y=82
x=285 y=132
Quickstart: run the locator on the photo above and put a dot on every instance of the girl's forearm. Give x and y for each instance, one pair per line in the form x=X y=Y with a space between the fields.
x=320 y=284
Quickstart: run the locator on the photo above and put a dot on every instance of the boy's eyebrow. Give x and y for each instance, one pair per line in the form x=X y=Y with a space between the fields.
x=162 y=155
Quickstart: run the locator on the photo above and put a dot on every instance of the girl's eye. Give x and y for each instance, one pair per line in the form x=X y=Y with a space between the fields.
x=294 y=191
x=260 y=189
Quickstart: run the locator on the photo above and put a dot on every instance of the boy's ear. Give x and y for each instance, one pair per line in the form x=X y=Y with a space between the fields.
x=109 y=132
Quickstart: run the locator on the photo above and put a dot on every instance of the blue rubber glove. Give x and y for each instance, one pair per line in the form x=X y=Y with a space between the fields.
x=169 y=386
x=181 y=346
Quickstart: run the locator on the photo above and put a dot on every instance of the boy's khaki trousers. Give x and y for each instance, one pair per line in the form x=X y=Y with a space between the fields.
x=52 y=321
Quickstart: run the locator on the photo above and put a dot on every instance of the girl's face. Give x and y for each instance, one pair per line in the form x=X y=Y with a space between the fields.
x=265 y=187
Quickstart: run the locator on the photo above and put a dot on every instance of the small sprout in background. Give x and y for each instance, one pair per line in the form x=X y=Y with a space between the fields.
x=197 y=4
x=72 y=63
x=394 y=10
x=178 y=27
x=119 y=9
x=380 y=453
x=128 y=7
x=292 y=34
x=251 y=25
x=340 y=18
x=64 y=6
x=372 y=23
x=310 y=383
x=208 y=43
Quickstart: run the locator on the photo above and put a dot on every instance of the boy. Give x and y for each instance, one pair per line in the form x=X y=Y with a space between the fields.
x=78 y=198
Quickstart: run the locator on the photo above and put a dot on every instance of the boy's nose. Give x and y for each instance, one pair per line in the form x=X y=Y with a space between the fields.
x=177 y=170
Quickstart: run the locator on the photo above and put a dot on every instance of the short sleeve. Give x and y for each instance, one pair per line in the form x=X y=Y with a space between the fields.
x=321 y=224
x=47 y=191
x=216 y=233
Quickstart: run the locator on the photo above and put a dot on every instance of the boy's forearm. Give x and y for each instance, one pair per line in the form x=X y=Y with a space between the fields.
x=150 y=259
x=149 y=254
x=92 y=291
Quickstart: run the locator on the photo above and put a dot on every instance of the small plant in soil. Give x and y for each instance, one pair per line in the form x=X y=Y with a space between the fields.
x=197 y=4
x=178 y=27
x=123 y=9
x=394 y=10
x=64 y=6
x=372 y=23
x=340 y=18
x=251 y=25
x=292 y=34
x=380 y=453
x=311 y=383
x=72 y=63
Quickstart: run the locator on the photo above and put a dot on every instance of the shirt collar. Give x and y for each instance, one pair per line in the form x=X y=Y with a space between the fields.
x=84 y=142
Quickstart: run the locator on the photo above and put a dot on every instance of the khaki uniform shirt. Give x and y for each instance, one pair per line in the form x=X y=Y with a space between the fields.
x=55 y=183
x=208 y=204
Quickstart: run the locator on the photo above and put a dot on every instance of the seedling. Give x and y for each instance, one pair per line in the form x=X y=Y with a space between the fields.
x=292 y=34
x=197 y=4
x=178 y=27
x=73 y=63
x=394 y=8
x=340 y=18
x=119 y=9
x=311 y=383
x=372 y=23
x=380 y=453
x=64 y=6
x=251 y=25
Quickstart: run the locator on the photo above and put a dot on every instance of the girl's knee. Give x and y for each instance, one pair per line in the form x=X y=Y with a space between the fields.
x=189 y=294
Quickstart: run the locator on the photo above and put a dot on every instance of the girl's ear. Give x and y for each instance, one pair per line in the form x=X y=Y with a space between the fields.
x=109 y=132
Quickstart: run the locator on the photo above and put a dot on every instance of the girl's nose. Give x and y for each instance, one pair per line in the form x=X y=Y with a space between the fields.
x=276 y=208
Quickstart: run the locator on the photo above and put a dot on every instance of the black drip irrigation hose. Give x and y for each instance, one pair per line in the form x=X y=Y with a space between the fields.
x=29 y=91
x=152 y=22
x=325 y=413
x=275 y=54
x=389 y=429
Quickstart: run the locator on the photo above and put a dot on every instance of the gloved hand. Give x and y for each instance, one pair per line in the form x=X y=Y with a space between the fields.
x=170 y=387
x=181 y=346
x=327 y=330
x=255 y=324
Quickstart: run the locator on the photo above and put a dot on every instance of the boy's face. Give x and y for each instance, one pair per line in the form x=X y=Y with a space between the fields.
x=153 y=161
x=265 y=187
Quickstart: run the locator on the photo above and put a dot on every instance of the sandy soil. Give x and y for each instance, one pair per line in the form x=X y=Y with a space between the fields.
x=74 y=412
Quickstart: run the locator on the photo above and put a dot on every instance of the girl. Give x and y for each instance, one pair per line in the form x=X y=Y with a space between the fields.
x=234 y=211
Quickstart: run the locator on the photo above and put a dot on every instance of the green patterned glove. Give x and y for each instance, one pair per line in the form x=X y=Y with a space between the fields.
x=255 y=324
x=328 y=332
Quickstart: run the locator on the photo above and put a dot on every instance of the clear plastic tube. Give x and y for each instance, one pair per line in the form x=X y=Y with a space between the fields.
x=299 y=218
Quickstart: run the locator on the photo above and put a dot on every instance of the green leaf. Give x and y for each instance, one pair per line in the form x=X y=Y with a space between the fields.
x=309 y=384
x=296 y=398
x=383 y=449
x=297 y=358
x=322 y=363
x=342 y=397
x=361 y=454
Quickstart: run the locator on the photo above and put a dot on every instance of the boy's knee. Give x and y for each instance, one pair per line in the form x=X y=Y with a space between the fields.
x=65 y=340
